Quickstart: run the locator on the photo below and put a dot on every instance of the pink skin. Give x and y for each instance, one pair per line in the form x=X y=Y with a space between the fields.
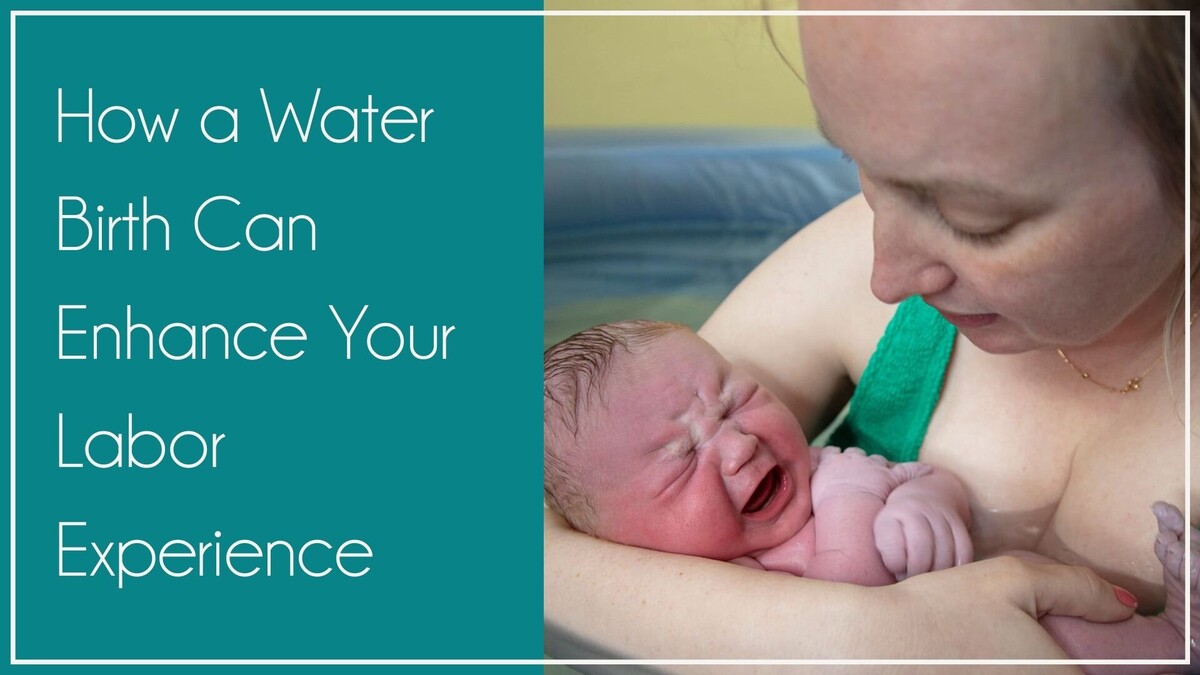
x=1140 y=637
x=682 y=452
x=1026 y=211
x=676 y=471
x=679 y=442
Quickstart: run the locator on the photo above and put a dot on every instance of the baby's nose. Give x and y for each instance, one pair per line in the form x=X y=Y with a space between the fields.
x=736 y=449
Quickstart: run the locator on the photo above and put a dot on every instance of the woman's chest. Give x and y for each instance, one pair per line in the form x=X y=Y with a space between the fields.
x=1062 y=473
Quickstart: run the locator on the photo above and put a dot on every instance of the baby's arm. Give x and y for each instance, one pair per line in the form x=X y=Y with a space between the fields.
x=1136 y=638
x=923 y=526
x=848 y=492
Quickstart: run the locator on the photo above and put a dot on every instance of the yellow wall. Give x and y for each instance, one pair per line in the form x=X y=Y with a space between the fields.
x=670 y=71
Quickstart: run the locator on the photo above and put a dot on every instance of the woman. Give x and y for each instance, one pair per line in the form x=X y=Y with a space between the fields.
x=1019 y=176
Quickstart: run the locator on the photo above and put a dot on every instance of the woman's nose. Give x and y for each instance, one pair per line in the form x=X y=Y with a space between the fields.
x=904 y=266
x=735 y=448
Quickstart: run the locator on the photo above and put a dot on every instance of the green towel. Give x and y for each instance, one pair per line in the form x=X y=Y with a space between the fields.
x=890 y=410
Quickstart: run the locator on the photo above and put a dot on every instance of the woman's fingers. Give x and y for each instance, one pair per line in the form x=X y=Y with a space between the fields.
x=1036 y=589
x=1066 y=590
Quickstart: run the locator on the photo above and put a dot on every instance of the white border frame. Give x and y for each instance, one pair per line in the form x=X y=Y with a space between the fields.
x=543 y=13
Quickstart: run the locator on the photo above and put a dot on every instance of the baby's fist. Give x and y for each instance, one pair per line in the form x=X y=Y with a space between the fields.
x=915 y=536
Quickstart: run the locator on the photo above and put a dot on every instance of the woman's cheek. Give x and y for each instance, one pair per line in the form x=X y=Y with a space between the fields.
x=870 y=194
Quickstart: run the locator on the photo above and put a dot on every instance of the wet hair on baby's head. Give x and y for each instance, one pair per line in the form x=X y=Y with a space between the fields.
x=573 y=377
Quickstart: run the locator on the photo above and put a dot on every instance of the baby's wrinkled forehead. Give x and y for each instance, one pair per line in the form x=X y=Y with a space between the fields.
x=609 y=378
x=613 y=390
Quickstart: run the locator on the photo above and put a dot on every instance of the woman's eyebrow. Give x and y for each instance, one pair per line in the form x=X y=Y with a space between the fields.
x=964 y=187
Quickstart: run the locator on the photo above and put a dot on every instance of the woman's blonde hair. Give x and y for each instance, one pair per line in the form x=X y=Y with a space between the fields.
x=1152 y=96
x=1151 y=52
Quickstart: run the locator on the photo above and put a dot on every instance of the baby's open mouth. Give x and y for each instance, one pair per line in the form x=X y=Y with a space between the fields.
x=765 y=492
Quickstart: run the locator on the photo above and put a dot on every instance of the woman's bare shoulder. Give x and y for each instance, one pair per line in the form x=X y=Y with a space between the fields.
x=805 y=320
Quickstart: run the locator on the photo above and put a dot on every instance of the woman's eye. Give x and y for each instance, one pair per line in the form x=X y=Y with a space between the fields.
x=980 y=238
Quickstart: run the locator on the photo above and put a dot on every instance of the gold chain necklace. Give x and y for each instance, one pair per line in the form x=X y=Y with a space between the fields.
x=1131 y=385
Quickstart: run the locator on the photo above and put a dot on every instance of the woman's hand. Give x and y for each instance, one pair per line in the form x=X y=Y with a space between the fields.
x=1017 y=591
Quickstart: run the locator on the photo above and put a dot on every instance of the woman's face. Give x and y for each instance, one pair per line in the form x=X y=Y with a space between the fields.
x=1007 y=189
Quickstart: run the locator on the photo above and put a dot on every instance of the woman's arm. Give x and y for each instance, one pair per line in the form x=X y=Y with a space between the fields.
x=655 y=605
x=804 y=322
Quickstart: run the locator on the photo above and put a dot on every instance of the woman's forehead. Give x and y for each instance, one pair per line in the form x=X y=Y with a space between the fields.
x=902 y=92
x=956 y=54
x=970 y=5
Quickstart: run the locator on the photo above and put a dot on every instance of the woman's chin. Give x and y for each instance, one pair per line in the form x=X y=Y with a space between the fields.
x=1000 y=338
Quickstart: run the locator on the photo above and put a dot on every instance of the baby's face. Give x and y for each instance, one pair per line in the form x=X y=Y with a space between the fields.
x=685 y=453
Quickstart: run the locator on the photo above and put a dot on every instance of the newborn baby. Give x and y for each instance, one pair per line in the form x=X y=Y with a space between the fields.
x=663 y=444
x=653 y=439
